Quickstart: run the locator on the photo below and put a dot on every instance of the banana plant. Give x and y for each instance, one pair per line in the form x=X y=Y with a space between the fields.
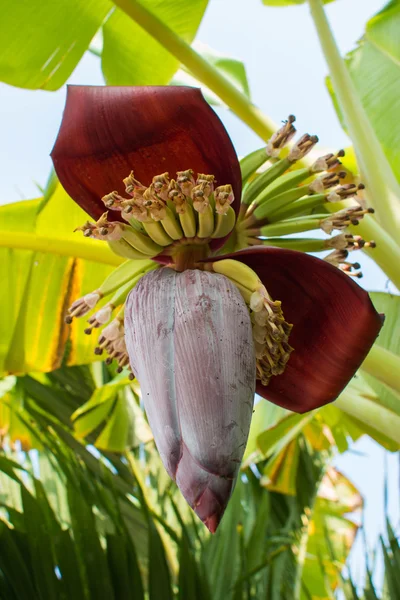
x=229 y=221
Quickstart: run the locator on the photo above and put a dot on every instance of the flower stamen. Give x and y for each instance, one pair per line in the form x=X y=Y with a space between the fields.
x=102 y=229
x=338 y=259
x=319 y=185
x=344 y=218
x=344 y=192
x=281 y=137
x=82 y=306
x=302 y=147
x=328 y=162
x=223 y=198
x=186 y=181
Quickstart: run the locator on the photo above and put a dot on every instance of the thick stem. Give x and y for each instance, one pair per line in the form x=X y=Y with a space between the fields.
x=200 y=68
x=383 y=188
x=384 y=366
x=95 y=251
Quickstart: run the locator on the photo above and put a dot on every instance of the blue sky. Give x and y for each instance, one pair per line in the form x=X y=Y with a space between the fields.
x=286 y=73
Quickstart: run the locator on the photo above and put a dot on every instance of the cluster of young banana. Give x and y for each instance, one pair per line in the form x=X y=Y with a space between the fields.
x=270 y=330
x=181 y=210
x=116 y=286
x=280 y=200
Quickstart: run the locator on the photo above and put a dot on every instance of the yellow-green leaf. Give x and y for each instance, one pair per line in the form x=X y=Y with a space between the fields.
x=44 y=267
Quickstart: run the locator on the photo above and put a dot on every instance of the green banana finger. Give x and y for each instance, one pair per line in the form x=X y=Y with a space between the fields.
x=157 y=233
x=171 y=225
x=224 y=224
x=141 y=242
x=123 y=248
x=122 y=274
x=188 y=221
x=206 y=223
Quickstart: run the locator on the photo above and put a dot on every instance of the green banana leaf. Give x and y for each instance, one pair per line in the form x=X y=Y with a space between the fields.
x=44 y=41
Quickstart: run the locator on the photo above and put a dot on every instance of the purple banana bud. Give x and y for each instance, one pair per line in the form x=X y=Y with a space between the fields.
x=190 y=344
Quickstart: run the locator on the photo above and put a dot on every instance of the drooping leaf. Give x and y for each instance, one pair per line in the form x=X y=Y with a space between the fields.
x=221 y=554
x=44 y=41
x=14 y=564
x=191 y=583
x=265 y=415
x=330 y=533
x=92 y=555
x=123 y=567
x=114 y=436
x=40 y=528
x=68 y=563
x=159 y=576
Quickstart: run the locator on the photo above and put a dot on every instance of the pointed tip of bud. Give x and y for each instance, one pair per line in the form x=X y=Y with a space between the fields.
x=212 y=523
x=208 y=508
